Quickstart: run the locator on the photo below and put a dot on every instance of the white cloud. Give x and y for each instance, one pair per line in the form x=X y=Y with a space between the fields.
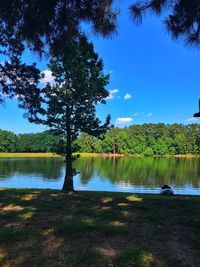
x=120 y=121
x=112 y=93
x=127 y=96
x=142 y=114
x=192 y=119
x=48 y=78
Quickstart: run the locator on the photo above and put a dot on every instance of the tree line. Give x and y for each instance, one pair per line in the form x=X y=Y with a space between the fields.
x=38 y=142
x=146 y=139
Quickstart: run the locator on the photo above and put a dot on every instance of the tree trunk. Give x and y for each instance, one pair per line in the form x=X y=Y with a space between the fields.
x=68 y=183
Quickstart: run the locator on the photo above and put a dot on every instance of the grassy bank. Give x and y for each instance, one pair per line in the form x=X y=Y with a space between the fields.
x=50 y=155
x=27 y=155
x=52 y=228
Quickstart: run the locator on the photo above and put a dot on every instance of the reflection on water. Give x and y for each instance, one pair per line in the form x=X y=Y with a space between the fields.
x=109 y=174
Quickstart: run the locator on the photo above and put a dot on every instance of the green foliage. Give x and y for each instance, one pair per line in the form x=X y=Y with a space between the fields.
x=148 y=152
x=48 y=25
x=40 y=142
x=8 y=141
x=69 y=104
x=87 y=143
x=147 y=140
x=19 y=79
x=42 y=28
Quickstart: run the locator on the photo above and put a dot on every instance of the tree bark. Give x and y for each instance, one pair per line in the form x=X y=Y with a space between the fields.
x=68 y=182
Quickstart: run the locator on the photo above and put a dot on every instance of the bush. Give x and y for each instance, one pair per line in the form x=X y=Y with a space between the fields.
x=148 y=152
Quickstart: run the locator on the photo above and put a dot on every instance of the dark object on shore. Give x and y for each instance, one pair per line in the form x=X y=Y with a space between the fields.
x=166 y=190
x=166 y=187
x=197 y=114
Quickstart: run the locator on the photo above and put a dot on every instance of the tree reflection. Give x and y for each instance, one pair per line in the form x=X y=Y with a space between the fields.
x=147 y=172
x=46 y=168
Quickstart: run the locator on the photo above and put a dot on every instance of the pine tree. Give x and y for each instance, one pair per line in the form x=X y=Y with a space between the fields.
x=42 y=27
x=69 y=103
x=182 y=17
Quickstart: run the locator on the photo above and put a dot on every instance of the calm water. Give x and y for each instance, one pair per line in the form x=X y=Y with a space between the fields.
x=143 y=175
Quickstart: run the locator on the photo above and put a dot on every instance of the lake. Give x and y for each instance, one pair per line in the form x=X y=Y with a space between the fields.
x=135 y=175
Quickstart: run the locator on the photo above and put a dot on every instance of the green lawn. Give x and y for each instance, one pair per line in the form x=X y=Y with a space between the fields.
x=39 y=155
x=52 y=228
x=27 y=155
x=48 y=155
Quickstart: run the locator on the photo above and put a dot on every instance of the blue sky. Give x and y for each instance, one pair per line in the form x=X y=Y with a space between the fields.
x=153 y=79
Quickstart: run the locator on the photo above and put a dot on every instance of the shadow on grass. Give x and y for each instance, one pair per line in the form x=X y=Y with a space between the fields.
x=52 y=228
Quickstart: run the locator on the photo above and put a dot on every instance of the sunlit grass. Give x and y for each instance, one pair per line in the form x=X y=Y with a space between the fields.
x=26 y=215
x=138 y=256
x=134 y=198
x=50 y=155
x=99 y=155
x=28 y=197
x=106 y=200
x=11 y=207
x=84 y=155
x=28 y=155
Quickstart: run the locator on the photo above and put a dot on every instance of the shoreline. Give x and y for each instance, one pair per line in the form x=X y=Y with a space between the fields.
x=53 y=155
x=105 y=193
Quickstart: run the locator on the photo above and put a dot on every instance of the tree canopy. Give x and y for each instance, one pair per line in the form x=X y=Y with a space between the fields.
x=79 y=84
x=51 y=22
x=182 y=17
x=45 y=26
x=42 y=27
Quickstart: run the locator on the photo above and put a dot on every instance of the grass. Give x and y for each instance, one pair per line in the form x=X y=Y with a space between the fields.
x=16 y=233
x=139 y=256
x=53 y=228
x=85 y=155
x=50 y=155
x=28 y=155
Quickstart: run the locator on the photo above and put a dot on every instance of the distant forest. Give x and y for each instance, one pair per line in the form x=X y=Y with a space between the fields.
x=146 y=139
